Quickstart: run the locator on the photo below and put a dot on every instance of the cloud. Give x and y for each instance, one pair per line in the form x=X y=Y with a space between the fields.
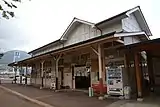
x=39 y=22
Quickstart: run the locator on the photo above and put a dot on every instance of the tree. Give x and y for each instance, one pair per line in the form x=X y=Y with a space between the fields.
x=6 y=13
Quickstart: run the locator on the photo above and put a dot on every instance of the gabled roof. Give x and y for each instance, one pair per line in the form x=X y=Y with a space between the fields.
x=136 y=11
x=56 y=41
x=72 y=25
x=138 y=14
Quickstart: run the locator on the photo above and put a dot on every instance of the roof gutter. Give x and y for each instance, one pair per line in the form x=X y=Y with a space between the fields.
x=98 y=29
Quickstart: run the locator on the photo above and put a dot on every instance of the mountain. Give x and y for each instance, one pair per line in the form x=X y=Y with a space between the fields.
x=12 y=56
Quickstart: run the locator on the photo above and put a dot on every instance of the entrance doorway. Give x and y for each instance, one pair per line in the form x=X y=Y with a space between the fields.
x=82 y=77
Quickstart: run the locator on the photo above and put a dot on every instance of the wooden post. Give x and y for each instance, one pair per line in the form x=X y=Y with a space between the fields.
x=150 y=71
x=100 y=69
x=26 y=74
x=42 y=84
x=126 y=65
x=56 y=64
x=21 y=75
x=53 y=71
x=36 y=73
x=103 y=65
x=73 y=78
x=57 y=60
x=138 y=74
x=15 y=70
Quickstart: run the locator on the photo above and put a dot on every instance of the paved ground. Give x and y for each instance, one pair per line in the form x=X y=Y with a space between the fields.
x=122 y=103
x=9 y=100
x=72 y=99
x=60 y=99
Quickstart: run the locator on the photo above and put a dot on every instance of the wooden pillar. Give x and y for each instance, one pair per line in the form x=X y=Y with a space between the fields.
x=126 y=65
x=57 y=61
x=53 y=71
x=103 y=65
x=138 y=74
x=36 y=73
x=32 y=74
x=73 y=78
x=150 y=71
x=15 y=70
x=57 y=74
x=20 y=74
x=44 y=74
x=26 y=74
x=100 y=68
x=42 y=64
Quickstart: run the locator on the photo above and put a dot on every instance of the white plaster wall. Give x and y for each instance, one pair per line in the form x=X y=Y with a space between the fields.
x=131 y=40
x=80 y=33
x=47 y=82
x=117 y=26
x=130 y=24
x=33 y=80
x=68 y=79
x=38 y=81
x=59 y=78
x=94 y=78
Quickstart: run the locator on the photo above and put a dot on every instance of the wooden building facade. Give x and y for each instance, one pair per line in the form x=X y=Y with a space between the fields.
x=79 y=59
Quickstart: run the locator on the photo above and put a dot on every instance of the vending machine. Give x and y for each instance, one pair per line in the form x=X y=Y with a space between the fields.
x=114 y=77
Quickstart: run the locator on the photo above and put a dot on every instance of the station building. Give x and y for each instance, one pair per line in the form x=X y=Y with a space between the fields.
x=101 y=55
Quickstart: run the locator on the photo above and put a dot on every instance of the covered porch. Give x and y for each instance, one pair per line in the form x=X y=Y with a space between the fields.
x=78 y=66
x=146 y=58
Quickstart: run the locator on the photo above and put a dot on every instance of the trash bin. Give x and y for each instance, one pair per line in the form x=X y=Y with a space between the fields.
x=90 y=91
x=127 y=92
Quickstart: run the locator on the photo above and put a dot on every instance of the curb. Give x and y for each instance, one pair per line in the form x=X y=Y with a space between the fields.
x=26 y=97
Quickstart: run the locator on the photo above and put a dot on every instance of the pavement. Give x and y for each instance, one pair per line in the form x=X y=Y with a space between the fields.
x=76 y=99
x=59 y=99
x=122 y=103
x=9 y=100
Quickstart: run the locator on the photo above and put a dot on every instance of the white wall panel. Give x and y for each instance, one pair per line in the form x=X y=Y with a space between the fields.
x=68 y=79
x=131 y=40
x=130 y=24
x=112 y=27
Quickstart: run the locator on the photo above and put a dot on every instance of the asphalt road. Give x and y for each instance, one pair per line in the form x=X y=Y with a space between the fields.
x=10 y=100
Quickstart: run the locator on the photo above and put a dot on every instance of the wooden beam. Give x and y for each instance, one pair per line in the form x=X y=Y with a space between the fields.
x=113 y=47
x=81 y=46
x=147 y=47
x=120 y=41
x=138 y=74
x=95 y=51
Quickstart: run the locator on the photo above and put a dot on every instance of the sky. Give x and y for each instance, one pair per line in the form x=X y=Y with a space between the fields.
x=38 y=22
